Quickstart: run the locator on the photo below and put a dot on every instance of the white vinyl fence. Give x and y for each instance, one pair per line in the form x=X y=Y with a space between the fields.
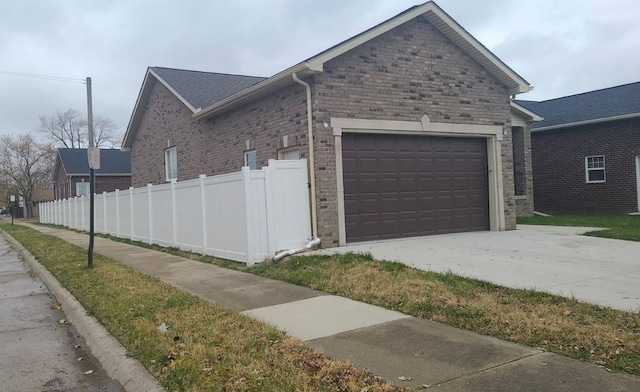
x=245 y=216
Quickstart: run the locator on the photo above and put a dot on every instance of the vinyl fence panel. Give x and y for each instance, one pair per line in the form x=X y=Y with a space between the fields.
x=245 y=216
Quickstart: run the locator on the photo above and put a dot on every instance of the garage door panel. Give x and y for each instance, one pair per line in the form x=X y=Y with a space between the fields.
x=424 y=165
x=399 y=186
x=406 y=165
x=388 y=205
x=388 y=185
x=349 y=165
x=368 y=166
x=407 y=185
x=442 y=165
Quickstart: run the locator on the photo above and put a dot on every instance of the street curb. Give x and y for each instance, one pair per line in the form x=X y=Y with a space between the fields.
x=108 y=351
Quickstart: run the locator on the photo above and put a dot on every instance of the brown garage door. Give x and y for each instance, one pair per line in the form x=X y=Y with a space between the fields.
x=402 y=186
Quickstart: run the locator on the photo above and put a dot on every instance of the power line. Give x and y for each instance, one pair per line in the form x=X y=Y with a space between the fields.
x=35 y=76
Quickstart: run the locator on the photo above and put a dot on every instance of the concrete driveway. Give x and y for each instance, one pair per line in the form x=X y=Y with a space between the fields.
x=547 y=258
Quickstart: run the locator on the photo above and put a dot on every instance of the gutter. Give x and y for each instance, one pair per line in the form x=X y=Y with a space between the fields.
x=232 y=100
x=312 y=179
x=587 y=122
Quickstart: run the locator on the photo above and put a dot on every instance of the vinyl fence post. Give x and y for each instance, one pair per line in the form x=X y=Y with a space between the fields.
x=269 y=171
x=246 y=178
x=174 y=214
x=104 y=211
x=131 y=210
x=117 y=196
x=150 y=205
x=203 y=211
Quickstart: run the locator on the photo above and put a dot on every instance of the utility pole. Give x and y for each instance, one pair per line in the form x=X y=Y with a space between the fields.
x=91 y=157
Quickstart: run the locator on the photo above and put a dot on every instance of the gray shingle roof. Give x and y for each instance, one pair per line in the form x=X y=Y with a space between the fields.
x=609 y=102
x=112 y=161
x=202 y=89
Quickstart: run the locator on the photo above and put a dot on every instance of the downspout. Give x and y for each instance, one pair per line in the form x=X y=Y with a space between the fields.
x=312 y=179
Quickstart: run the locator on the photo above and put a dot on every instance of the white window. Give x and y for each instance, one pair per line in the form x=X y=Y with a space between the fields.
x=289 y=154
x=171 y=163
x=250 y=159
x=594 y=167
x=82 y=189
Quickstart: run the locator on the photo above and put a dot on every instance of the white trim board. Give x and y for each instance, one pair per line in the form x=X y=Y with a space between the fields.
x=425 y=127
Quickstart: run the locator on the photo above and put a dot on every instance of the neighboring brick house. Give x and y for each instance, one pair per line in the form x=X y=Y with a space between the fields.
x=71 y=172
x=521 y=121
x=411 y=124
x=586 y=151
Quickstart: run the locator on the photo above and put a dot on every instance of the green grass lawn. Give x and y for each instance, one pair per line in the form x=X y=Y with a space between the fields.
x=618 y=226
x=565 y=326
x=207 y=347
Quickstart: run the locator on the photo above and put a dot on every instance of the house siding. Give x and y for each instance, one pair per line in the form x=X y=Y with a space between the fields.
x=559 y=167
x=215 y=146
x=404 y=74
x=522 y=148
x=66 y=185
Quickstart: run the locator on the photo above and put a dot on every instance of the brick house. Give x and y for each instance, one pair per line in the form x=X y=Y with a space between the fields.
x=407 y=128
x=586 y=151
x=71 y=172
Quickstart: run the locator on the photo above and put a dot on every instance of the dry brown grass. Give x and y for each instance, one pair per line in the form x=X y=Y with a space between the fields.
x=206 y=347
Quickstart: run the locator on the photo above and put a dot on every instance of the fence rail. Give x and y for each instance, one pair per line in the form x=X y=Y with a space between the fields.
x=245 y=216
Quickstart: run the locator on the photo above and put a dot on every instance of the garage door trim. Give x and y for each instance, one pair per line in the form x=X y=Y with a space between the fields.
x=492 y=134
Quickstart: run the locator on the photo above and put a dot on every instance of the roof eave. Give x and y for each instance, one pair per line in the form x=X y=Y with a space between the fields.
x=524 y=112
x=136 y=116
x=435 y=15
x=98 y=174
x=273 y=83
x=587 y=122
x=459 y=36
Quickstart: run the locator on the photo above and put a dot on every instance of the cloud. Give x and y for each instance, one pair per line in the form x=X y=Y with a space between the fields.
x=561 y=47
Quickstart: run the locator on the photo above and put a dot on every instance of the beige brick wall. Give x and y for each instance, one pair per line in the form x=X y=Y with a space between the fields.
x=215 y=146
x=404 y=74
x=524 y=206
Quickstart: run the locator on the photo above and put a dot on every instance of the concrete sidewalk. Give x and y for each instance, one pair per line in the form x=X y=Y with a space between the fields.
x=388 y=343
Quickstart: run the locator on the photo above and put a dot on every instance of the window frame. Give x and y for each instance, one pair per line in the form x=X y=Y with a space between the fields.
x=283 y=151
x=170 y=163
x=247 y=161
x=86 y=186
x=591 y=159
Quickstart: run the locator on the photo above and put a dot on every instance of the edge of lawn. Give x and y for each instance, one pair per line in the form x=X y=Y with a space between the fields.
x=565 y=326
x=207 y=346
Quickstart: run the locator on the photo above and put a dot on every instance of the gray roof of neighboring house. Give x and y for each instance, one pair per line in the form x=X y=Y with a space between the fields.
x=112 y=161
x=595 y=105
x=202 y=89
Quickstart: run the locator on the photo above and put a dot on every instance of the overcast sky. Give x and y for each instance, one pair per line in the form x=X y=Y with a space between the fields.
x=561 y=47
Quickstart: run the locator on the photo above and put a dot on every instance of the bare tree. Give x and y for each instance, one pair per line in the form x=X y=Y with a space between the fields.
x=26 y=165
x=69 y=129
x=104 y=132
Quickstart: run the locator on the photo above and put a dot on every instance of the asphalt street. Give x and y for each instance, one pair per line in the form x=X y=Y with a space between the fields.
x=41 y=350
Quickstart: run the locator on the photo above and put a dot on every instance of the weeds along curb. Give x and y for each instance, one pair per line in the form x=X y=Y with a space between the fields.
x=108 y=351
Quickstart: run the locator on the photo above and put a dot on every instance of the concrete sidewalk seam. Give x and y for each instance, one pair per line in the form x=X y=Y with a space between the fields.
x=489 y=368
x=130 y=373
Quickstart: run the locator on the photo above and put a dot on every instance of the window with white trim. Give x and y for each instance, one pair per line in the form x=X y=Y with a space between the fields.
x=170 y=163
x=595 y=169
x=250 y=159
x=82 y=189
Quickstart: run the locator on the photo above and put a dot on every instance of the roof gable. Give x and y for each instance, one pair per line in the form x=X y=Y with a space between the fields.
x=112 y=161
x=594 y=106
x=197 y=89
x=202 y=89
x=430 y=10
